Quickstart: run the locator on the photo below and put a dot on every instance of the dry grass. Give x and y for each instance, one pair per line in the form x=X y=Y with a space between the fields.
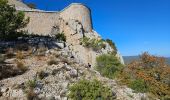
x=20 y=55
x=42 y=74
x=21 y=66
x=53 y=61
x=31 y=95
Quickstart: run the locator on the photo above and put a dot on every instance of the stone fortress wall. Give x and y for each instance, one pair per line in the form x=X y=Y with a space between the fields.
x=42 y=22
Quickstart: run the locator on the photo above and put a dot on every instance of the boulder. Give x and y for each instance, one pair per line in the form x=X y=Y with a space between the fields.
x=60 y=45
x=73 y=73
x=67 y=67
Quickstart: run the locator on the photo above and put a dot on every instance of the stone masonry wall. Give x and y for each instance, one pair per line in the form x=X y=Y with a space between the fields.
x=78 y=12
x=42 y=22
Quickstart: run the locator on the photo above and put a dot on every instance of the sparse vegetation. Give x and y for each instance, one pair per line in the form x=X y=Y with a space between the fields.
x=90 y=90
x=19 y=55
x=95 y=44
x=30 y=94
x=108 y=65
x=42 y=74
x=31 y=84
x=21 y=66
x=60 y=37
x=52 y=61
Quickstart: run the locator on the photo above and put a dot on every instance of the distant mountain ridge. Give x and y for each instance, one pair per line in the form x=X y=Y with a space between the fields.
x=129 y=59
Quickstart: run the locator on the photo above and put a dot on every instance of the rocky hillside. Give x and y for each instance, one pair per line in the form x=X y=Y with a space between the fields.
x=35 y=67
x=51 y=72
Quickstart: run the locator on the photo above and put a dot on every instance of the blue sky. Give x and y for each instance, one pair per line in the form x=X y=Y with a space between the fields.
x=134 y=25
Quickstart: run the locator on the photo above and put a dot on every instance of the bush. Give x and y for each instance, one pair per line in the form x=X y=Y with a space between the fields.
x=108 y=65
x=60 y=37
x=95 y=44
x=151 y=74
x=138 y=85
x=90 y=90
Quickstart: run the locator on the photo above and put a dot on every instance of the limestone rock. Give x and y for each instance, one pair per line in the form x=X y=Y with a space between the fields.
x=60 y=45
x=67 y=67
x=73 y=73
x=17 y=93
x=76 y=27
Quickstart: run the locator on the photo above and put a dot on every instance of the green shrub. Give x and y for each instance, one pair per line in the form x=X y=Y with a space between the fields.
x=60 y=37
x=10 y=20
x=138 y=85
x=31 y=84
x=108 y=65
x=90 y=90
x=95 y=44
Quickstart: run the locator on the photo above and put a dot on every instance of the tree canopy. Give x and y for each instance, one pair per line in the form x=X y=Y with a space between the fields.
x=11 y=20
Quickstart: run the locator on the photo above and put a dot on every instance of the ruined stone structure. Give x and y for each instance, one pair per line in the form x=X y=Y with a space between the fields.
x=74 y=21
